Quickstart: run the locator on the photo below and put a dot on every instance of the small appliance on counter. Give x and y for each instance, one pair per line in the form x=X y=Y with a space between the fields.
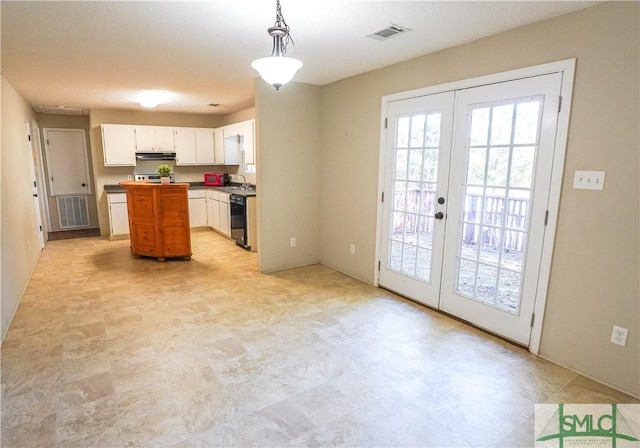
x=217 y=179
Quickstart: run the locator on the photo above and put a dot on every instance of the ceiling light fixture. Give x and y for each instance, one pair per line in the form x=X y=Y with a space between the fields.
x=151 y=98
x=277 y=69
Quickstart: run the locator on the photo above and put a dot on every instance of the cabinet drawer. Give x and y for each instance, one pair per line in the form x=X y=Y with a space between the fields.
x=115 y=198
x=195 y=194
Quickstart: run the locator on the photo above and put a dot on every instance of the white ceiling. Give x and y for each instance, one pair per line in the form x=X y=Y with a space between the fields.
x=103 y=54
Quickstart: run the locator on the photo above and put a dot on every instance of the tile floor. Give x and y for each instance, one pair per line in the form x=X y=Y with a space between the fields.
x=106 y=350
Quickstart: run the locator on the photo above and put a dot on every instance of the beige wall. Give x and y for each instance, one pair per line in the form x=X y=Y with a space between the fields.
x=68 y=122
x=288 y=151
x=112 y=175
x=594 y=278
x=19 y=247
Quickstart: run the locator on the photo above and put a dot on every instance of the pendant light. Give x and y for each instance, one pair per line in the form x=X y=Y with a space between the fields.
x=277 y=69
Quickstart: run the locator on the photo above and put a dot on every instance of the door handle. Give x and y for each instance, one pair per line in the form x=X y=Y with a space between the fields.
x=84 y=185
x=35 y=195
x=439 y=215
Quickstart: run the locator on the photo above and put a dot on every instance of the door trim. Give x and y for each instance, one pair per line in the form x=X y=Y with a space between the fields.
x=567 y=69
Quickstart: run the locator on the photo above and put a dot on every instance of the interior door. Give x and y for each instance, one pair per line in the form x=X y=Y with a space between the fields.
x=501 y=167
x=33 y=168
x=67 y=161
x=416 y=176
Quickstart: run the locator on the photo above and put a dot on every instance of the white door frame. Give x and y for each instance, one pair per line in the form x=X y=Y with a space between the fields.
x=35 y=186
x=42 y=179
x=567 y=68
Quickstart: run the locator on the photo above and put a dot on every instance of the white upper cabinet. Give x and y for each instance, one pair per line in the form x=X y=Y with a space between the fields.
x=239 y=139
x=205 y=154
x=119 y=144
x=185 y=143
x=154 y=138
x=194 y=146
x=248 y=141
x=218 y=145
x=231 y=145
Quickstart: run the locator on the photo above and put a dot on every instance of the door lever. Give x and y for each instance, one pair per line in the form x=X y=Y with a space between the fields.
x=439 y=215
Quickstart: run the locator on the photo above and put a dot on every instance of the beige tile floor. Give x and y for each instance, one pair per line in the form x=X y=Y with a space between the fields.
x=108 y=350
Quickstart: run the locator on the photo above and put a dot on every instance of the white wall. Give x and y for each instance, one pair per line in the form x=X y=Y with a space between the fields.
x=595 y=268
x=19 y=247
x=288 y=124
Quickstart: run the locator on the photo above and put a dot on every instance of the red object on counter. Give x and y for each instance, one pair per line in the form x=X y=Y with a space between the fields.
x=215 y=179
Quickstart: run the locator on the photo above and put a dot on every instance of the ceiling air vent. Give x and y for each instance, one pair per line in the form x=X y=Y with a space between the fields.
x=388 y=32
x=60 y=110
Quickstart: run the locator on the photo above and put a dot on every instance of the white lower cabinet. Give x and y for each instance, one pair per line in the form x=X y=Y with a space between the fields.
x=218 y=215
x=225 y=214
x=197 y=208
x=118 y=215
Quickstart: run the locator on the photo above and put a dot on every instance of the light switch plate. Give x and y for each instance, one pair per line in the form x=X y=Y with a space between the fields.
x=589 y=180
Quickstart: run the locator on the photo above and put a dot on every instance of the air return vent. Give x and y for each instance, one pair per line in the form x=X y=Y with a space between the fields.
x=388 y=32
x=60 y=110
x=72 y=212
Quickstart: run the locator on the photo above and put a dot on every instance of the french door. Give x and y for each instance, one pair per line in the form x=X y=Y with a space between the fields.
x=418 y=148
x=467 y=238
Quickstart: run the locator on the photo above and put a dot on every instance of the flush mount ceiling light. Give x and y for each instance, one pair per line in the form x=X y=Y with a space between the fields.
x=151 y=98
x=277 y=69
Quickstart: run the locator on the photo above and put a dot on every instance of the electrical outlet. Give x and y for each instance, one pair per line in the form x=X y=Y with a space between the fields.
x=293 y=242
x=352 y=249
x=619 y=336
x=129 y=177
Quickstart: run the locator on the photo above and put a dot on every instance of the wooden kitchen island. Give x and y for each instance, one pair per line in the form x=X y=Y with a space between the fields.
x=158 y=220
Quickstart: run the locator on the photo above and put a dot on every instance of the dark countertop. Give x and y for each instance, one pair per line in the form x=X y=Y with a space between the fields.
x=232 y=189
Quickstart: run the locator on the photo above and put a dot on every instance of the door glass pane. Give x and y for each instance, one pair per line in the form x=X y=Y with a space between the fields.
x=430 y=166
x=433 y=130
x=477 y=165
x=527 y=122
x=414 y=196
x=428 y=199
x=495 y=226
x=501 y=120
x=402 y=139
x=522 y=166
x=415 y=164
x=417 y=131
x=467 y=277
x=498 y=167
x=401 y=164
x=479 y=126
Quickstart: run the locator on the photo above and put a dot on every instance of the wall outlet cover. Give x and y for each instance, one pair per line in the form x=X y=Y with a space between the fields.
x=619 y=335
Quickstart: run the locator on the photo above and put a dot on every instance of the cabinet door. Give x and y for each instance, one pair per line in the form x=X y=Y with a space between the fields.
x=225 y=218
x=248 y=141
x=231 y=145
x=197 y=212
x=119 y=218
x=205 y=153
x=145 y=138
x=215 y=213
x=164 y=138
x=218 y=145
x=185 y=142
x=119 y=145
x=209 y=209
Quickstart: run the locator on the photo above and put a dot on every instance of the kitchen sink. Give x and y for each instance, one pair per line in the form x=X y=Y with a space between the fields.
x=237 y=188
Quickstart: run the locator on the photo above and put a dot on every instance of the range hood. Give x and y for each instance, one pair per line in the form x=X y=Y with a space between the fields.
x=155 y=156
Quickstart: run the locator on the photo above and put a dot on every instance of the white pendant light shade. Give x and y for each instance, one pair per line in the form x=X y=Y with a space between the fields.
x=277 y=70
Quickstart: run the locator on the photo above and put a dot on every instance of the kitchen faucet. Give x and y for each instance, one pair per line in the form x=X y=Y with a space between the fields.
x=244 y=184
